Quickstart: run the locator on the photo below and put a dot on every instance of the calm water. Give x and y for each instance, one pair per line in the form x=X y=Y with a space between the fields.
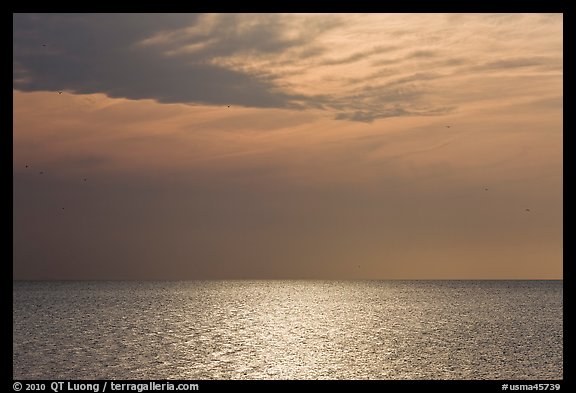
x=288 y=330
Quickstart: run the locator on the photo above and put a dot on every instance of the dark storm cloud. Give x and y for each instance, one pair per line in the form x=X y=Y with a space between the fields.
x=100 y=53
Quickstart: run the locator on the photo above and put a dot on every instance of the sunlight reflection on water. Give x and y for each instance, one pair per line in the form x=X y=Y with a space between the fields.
x=288 y=330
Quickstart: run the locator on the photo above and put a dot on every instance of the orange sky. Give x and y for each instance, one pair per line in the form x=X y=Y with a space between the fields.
x=288 y=146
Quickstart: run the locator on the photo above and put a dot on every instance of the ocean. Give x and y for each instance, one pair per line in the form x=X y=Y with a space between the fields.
x=288 y=329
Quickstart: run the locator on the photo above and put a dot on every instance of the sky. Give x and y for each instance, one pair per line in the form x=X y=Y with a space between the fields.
x=287 y=146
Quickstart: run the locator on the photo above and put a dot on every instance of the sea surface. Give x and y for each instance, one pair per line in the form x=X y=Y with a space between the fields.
x=287 y=330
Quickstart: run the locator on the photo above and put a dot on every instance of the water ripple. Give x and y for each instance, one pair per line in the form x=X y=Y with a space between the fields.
x=288 y=330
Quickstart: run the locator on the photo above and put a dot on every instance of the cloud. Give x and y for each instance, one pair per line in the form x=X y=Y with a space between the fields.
x=359 y=68
x=518 y=62
x=133 y=56
x=184 y=58
x=360 y=55
x=393 y=111
x=225 y=35
x=422 y=53
x=365 y=116
x=398 y=97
